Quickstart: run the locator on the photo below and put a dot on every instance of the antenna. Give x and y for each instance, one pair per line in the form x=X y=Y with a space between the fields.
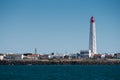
x=35 y=50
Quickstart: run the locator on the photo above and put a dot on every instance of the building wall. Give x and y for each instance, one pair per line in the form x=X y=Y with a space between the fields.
x=1 y=57
x=85 y=54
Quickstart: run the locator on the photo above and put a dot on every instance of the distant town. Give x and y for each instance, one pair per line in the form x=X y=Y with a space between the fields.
x=53 y=58
x=84 y=56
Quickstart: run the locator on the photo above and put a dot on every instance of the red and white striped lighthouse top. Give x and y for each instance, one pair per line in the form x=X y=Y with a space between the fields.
x=92 y=19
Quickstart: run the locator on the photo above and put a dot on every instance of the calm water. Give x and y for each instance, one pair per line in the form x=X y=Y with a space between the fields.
x=60 y=72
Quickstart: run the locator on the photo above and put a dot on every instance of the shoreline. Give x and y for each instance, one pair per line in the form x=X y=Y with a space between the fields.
x=62 y=62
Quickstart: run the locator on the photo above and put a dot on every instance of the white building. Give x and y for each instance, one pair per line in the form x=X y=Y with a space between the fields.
x=1 y=57
x=13 y=56
x=85 y=54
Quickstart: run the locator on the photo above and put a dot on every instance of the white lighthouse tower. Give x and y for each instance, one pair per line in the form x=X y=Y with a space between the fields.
x=92 y=37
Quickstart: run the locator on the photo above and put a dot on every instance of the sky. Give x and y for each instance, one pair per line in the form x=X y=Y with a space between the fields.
x=59 y=26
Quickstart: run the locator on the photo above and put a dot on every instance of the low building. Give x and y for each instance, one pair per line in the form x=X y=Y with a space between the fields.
x=117 y=55
x=66 y=56
x=1 y=56
x=109 y=56
x=85 y=54
x=97 y=56
x=73 y=56
x=13 y=56
x=56 y=56
x=45 y=56
x=102 y=56
x=30 y=56
x=33 y=56
x=25 y=55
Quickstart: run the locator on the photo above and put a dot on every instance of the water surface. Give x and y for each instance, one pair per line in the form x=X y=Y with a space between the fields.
x=60 y=72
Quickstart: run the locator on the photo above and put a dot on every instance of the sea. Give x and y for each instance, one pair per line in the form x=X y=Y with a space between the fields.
x=59 y=72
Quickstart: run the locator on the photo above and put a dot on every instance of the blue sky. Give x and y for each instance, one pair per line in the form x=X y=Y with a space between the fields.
x=58 y=26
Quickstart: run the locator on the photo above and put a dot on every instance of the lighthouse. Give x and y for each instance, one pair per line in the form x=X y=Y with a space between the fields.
x=92 y=42
x=92 y=37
